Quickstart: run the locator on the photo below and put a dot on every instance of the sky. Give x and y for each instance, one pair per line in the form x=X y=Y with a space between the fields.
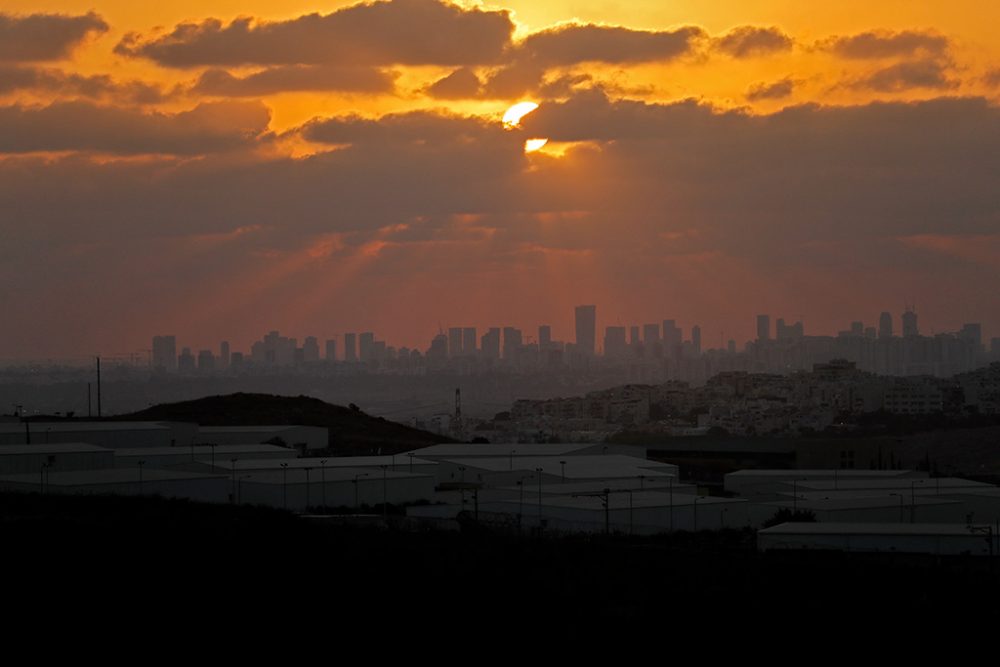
x=219 y=169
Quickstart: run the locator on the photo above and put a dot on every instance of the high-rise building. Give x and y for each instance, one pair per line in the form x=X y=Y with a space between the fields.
x=885 y=325
x=696 y=339
x=206 y=361
x=331 y=350
x=490 y=343
x=469 y=341
x=350 y=347
x=651 y=341
x=910 y=323
x=763 y=327
x=973 y=333
x=310 y=350
x=615 y=345
x=224 y=354
x=366 y=347
x=633 y=336
x=165 y=353
x=857 y=328
x=455 y=342
x=512 y=342
x=544 y=337
x=185 y=362
x=586 y=329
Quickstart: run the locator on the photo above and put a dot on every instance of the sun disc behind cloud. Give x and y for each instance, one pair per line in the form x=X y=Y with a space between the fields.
x=512 y=117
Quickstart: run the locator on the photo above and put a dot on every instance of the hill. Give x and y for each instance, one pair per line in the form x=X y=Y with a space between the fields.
x=352 y=432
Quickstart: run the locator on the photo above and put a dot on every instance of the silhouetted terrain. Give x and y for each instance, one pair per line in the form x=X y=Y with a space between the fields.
x=351 y=430
x=247 y=563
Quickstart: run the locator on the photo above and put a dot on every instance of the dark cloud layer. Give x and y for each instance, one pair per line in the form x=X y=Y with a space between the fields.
x=660 y=202
x=888 y=44
x=774 y=90
x=68 y=84
x=582 y=43
x=747 y=41
x=926 y=74
x=39 y=37
x=385 y=32
x=84 y=126
x=289 y=78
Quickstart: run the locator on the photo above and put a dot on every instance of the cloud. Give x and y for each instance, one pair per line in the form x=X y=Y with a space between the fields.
x=95 y=86
x=681 y=203
x=84 y=126
x=887 y=44
x=927 y=74
x=573 y=44
x=774 y=90
x=385 y=32
x=992 y=78
x=297 y=78
x=749 y=41
x=463 y=83
x=38 y=37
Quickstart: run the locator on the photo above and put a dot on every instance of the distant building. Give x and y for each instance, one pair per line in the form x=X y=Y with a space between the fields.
x=310 y=350
x=165 y=353
x=763 y=327
x=224 y=355
x=455 y=342
x=696 y=339
x=586 y=329
x=469 y=341
x=350 y=347
x=885 y=325
x=910 y=324
x=615 y=345
x=185 y=362
x=206 y=361
x=331 y=350
x=490 y=343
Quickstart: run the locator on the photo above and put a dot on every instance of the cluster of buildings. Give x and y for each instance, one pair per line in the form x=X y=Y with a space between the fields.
x=654 y=352
x=510 y=488
x=742 y=403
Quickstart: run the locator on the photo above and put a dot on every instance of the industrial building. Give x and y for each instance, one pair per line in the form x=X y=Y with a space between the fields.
x=935 y=538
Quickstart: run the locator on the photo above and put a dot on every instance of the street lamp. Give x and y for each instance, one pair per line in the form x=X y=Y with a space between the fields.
x=322 y=473
x=140 y=464
x=357 y=505
x=233 y=461
x=284 y=485
x=511 y=455
x=308 y=495
x=539 y=471
x=410 y=454
x=900 y=505
x=563 y=465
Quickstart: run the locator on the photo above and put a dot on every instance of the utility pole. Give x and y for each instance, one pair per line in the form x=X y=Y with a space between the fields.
x=98 y=387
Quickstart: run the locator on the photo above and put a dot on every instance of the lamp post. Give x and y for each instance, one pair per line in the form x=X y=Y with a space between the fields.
x=213 y=446
x=140 y=464
x=900 y=505
x=538 y=471
x=630 y=525
x=357 y=505
x=410 y=454
x=322 y=473
x=308 y=494
x=284 y=485
x=511 y=456
x=233 y=461
x=562 y=464
x=385 y=494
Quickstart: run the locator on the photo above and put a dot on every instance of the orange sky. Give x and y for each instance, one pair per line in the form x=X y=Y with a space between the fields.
x=199 y=192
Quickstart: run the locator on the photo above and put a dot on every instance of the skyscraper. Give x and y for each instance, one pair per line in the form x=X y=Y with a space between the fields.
x=586 y=329
x=910 y=323
x=615 y=346
x=885 y=325
x=696 y=339
x=165 y=353
x=763 y=327
x=350 y=347
x=366 y=347
x=310 y=349
x=331 y=350
x=544 y=336
x=455 y=342
x=469 y=341
x=490 y=343
x=224 y=354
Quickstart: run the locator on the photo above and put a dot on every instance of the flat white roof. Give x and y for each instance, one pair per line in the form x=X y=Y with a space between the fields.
x=489 y=450
x=870 y=502
x=916 y=483
x=332 y=463
x=59 y=448
x=107 y=476
x=915 y=529
x=220 y=450
x=576 y=467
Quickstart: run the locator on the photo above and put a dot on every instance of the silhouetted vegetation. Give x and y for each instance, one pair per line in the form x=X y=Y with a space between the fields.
x=352 y=432
x=785 y=515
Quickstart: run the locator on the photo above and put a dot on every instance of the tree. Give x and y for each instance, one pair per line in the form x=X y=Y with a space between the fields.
x=785 y=515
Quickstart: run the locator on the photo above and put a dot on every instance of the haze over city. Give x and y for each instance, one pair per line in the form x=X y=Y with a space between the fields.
x=210 y=168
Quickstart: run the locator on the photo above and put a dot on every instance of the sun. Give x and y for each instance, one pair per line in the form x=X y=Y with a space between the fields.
x=512 y=117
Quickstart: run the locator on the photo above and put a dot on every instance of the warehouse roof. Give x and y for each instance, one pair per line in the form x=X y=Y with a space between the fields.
x=60 y=448
x=575 y=467
x=107 y=476
x=488 y=450
x=833 y=528
x=916 y=483
x=619 y=500
x=331 y=463
x=825 y=474
x=660 y=482
x=868 y=502
x=220 y=450
x=298 y=476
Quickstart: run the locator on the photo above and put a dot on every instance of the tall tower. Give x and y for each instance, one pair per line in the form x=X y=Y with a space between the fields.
x=586 y=329
x=910 y=323
x=696 y=339
x=763 y=327
x=350 y=347
x=885 y=325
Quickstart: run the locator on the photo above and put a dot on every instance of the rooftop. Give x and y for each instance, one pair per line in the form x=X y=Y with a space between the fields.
x=914 y=529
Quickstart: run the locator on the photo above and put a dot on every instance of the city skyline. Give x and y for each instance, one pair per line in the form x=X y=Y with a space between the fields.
x=204 y=169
